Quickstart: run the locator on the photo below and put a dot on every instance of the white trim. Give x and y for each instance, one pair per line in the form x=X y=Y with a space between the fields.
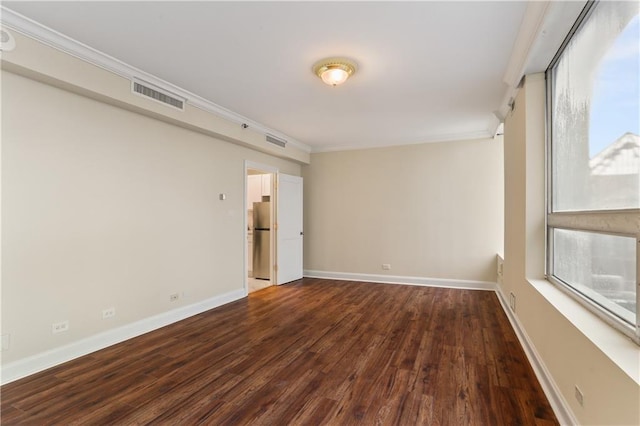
x=559 y=405
x=522 y=50
x=259 y=166
x=530 y=29
x=556 y=400
x=449 y=137
x=33 y=364
x=59 y=41
x=248 y=164
x=392 y=279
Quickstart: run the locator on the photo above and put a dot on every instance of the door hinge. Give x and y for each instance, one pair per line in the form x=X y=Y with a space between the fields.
x=275 y=268
x=275 y=226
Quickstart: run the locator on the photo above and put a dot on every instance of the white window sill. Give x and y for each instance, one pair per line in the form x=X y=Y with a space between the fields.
x=615 y=345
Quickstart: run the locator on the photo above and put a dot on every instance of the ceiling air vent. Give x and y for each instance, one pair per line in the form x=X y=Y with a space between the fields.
x=150 y=91
x=276 y=141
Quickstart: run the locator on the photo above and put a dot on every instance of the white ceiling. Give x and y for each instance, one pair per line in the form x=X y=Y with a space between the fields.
x=427 y=71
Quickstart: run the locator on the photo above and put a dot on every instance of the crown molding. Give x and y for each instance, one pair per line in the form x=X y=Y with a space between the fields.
x=70 y=46
x=530 y=29
x=449 y=137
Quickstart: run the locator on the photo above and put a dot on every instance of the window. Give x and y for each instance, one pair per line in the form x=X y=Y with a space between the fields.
x=593 y=221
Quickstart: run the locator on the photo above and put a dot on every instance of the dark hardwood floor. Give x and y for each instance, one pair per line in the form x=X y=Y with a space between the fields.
x=311 y=352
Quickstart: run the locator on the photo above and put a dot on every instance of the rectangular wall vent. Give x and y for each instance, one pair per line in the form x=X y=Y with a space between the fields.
x=149 y=91
x=276 y=141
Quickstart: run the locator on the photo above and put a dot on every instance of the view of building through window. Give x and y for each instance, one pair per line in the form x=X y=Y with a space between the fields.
x=614 y=123
x=595 y=155
x=616 y=88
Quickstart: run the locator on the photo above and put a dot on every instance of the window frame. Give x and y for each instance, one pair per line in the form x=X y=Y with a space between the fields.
x=610 y=222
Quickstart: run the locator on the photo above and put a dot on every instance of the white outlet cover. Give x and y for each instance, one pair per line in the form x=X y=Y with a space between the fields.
x=59 y=327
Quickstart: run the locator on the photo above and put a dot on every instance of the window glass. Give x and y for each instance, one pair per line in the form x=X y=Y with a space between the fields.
x=599 y=266
x=596 y=113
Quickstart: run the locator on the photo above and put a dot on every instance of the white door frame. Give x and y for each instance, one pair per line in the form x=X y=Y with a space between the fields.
x=274 y=171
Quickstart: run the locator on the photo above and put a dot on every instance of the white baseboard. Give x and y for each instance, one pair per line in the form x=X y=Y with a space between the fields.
x=391 y=279
x=33 y=364
x=556 y=400
x=559 y=405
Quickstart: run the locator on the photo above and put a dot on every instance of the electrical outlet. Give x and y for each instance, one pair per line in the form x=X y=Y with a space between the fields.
x=109 y=313
x=386 y=266
x=5 y=342
x=59 y=327
x=512 y=301
x=579 y=396
x=174 y=297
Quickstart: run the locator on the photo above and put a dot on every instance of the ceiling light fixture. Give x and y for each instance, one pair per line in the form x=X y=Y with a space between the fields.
x=334 y=71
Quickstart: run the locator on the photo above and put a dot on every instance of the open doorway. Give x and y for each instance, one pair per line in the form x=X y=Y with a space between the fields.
x=260 y=221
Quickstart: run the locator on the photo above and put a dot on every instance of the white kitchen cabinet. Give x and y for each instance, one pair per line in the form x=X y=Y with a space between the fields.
x=266 y=184
x=254 y=190
x=257 y=187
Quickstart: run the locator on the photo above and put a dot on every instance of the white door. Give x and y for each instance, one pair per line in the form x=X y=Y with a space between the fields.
x=289 y=229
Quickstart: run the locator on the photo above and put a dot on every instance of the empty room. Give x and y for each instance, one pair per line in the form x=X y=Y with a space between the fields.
x=320 y=212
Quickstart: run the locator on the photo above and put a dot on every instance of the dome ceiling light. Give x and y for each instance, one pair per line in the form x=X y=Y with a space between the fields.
x=334 y=71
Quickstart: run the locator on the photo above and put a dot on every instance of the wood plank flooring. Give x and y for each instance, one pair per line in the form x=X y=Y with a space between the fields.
x=307 y=353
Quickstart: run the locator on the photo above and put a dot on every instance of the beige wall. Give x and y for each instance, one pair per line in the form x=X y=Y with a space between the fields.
x=576 y=347
x=430 y=210
x=66 y=71
x=104 y=207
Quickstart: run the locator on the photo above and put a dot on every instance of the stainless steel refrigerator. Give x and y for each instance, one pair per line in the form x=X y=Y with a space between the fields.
x=261 y=240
